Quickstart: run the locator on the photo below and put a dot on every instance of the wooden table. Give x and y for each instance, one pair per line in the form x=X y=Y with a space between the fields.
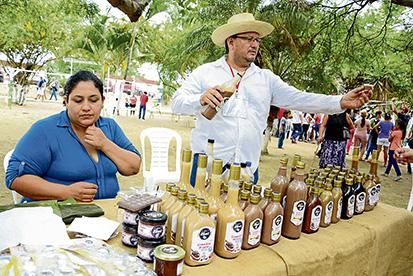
x=379 y=242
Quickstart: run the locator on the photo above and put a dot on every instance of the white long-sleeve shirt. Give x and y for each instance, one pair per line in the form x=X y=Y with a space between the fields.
x=238 y=138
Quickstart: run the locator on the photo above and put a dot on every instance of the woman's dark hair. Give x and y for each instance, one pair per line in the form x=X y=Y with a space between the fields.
x=402 y=126
x=387 y=116
x=82 y=76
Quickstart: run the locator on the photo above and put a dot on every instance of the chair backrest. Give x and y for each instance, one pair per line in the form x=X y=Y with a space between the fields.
x=5 y=165
x=160 y=139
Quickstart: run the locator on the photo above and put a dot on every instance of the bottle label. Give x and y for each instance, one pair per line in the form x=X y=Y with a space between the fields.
x=350 y=206
x=254 y=233
x=378 y=189
x=360 y=202
x=145 y=253
x=315 y=218
x=328 y=212
x=151 y=232
x=297 y=214
x=233 y=236
x=182 y=231
x=173 y=227
x=202 y=244
x=371 y=195
x=277 y=223
x=284 y=200
x=339 y=207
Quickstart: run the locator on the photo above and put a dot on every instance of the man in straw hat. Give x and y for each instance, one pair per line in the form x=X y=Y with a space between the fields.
x=238 y=126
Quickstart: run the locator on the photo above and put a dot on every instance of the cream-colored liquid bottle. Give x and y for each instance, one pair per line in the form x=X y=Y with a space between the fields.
x=327 y=204
x=214 y=200
x=279 y=183
x=244 y=199
x=295 y=205
x=200 y=238
x=173 y=217
x=201 y=176
x=191 y=217
x=230 y=220
x=183 y=214
x=166 y=195
x=171 y=200
x=253 y=223
x=273 y=219
x=371 y=191
x=224 y=194
x=337 y=201
x=266 y=199
x=185 y=170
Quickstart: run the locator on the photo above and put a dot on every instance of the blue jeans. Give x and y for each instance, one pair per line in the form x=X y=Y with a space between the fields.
x=297 y=130
x=53 y=95
x=142 y=110
x=392 y=162
x=195 y=167
x=281 y=140
x=370 y=147
x=316 y=128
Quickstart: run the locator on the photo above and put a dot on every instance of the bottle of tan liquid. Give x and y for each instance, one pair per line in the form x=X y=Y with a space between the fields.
x=230 y=222
x=296 y=159
x=214 y=200
x=371 y=191
x=327 y=203
x=201 y=176
x=266 y=199
x=279 y=184
x=253 y=223
x=273 y=220
x=172 y=213
x=167 y=194
x=337 y=201
x=244 y=199
x=295 y=204
x=200 y=238
x=171 y=200
x=360 y=194
x=185 y=170
x=183 y=214
x=257 y=189
x=224 y=194
x=376 y=179
x=313 y=210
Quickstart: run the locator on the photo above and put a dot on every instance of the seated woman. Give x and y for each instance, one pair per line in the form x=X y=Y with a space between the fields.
x=75 y=153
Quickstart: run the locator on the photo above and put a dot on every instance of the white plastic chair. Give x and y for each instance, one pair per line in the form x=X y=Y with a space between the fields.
x=160 y=139
x=16 y=196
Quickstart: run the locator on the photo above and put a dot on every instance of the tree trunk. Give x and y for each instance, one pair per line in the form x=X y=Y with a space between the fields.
x=405 y=3
x=132 y=8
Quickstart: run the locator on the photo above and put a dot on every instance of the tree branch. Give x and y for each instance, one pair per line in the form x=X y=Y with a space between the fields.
x=132 y=8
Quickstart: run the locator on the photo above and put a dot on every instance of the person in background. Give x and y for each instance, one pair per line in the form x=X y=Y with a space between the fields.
x=317 y=123
x=142 y=107
x=374 y=133
x=282 y=129
x=297 y=121
x=384 y=134
x=54 y=87
x=74 y=153
x=41 y=85
x=334 y=132
x=362 y=126
x=237 y=127
x=403 y=114
x=396 y=138
x=354 y=116
x=306 y=125
x=132 y=104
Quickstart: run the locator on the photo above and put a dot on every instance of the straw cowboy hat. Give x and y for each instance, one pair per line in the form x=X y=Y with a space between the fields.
x=240 y=23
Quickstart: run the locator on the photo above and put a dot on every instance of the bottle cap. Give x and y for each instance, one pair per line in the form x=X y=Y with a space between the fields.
x=217 y=166
x=243 y=165
x=234 y=172
x=300 y=165
x=187 y=155
x=169 y=187
x=244 y=194
x=267 y=192
x=203 y=207
x=257 y=189
x=191 y=199
x=202 y=161
x=248 y=186
x=182 y=194
x=174 y=190
x=276 y=197
x=255 y=198
x=211 y=141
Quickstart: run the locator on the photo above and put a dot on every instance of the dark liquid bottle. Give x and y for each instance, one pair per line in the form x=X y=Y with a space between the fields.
x=360 y=194
x=349 y=200
x=313 y=210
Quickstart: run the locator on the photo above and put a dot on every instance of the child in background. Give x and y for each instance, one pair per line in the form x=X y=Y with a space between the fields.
x=396 y=138
x=282 y=130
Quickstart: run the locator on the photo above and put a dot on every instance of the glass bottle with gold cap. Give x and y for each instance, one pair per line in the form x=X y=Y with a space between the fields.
x=201 y=176
x=171 y=200
x=185 y=170
x=253 y=223
x=244 y=199
x=337 y=200
x=248 y=186
x=191 y=216
x=183 y=214
x=200 y=238
x=296 y=159
x=214 y=200
x=273 y=219
x=295 y=204
x=266 y=199
x=349 y=199
x=230 y=220
x=172 y=213
x=257 y=189
x=360 y=194
x=371 y=191
x=279 y=183
x=327 y=203
x=376 y=179
x=166 y=195
x=313 y=210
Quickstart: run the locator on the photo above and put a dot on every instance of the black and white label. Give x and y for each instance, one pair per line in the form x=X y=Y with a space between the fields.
x=315 y=218
x=297 y=215
x=233 y=236
x=360 y=202
x=339 y=207
x=328 y=212
x=350 y=206
x=254 y=231
x=377 y=197
x=151 y=232
x=372 y=195
x=277 y=223
x=202 y=244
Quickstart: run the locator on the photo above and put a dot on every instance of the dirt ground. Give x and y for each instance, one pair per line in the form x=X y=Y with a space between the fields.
x=15 y=121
